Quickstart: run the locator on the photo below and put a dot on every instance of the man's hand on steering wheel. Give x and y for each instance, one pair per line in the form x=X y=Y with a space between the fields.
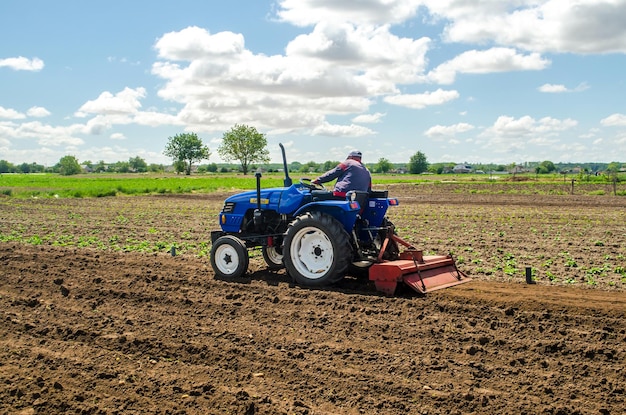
x=311 y=184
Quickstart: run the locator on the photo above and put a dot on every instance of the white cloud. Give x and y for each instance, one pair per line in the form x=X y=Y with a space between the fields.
x=48 y=135
x=113 y=59
x=368 y=118
x=419 y=101
x=117 y=136
x=576 y=26
x=486 y=61
x=311 y=12
x=614 y=120
x=342 y=130
x=52 y=135
x=124 y=102
x=551 y=88
x=449 y=131
x=194 y=42
x=383 y=58
x=620 y=139
x=10 y=114
x=557 y=88
x=155 y=119
x=549 y=124
x=22 y=64
x=334 y=70
x=100 y=123
x=514 y=135
x=37 y=112
x=348 y=60
x=526 y=126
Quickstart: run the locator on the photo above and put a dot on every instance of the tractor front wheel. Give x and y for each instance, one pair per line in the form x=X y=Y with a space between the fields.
x=316 y=249
x=229 y=257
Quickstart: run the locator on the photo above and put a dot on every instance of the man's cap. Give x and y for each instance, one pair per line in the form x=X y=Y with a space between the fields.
x=355 y=153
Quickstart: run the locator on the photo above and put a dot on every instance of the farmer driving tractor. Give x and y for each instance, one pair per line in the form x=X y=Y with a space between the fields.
x=351 y=174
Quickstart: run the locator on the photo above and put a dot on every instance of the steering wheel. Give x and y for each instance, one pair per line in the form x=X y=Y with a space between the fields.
x=308 y=183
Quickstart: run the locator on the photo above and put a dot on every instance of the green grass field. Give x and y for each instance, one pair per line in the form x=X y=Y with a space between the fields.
x=105 y=185
x=53 y=185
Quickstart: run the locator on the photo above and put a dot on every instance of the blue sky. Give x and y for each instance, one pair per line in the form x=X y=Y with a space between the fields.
x=492 y=81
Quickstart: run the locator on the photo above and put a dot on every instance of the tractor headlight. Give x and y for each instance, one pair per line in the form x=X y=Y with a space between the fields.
x=352 y=196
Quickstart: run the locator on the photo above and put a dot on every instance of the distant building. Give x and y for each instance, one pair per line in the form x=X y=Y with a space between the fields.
x=519 y=169
x=462 y=168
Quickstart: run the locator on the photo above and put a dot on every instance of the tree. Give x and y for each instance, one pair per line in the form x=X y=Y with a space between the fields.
x=245 y=144
x=540 y=170
x=68 y=165
x=547 y=167
x=418 y=163
x=309 y=167
x=440 y=168
x=613 y=167
x=383 y=165
x=156 y=168
x=295 y=166
x=329 y=164
x=31 y=168
x=6 y=167
x=100 y=167
x=121 y=167
x=180 y=166
x=186 y=148
x=138 y=164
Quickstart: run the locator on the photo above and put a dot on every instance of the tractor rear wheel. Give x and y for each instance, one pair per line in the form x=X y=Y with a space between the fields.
x=229 y=257
x=316 y=249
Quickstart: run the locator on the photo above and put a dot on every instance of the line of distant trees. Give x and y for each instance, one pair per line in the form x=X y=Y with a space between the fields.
x=69 y=165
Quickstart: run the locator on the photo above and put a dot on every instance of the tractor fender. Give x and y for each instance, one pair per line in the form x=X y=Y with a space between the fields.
x=343 y=210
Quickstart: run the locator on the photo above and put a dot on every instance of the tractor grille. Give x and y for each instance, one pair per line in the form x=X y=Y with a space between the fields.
x=229 y=207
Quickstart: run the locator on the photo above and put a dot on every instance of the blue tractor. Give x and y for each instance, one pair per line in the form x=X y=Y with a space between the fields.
x=318 y=237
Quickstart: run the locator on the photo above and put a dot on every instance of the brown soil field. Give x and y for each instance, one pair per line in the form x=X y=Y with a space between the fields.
x=99 y=317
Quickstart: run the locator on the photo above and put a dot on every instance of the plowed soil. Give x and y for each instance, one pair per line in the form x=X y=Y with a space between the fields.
x=98 y=317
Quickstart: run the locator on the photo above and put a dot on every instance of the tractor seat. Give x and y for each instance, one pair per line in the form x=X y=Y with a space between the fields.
x=318 y=195
x=382 y=194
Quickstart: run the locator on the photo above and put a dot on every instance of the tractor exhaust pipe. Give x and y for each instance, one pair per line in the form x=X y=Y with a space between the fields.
x=258 y=189
x=258 y=214
x=287 y=182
